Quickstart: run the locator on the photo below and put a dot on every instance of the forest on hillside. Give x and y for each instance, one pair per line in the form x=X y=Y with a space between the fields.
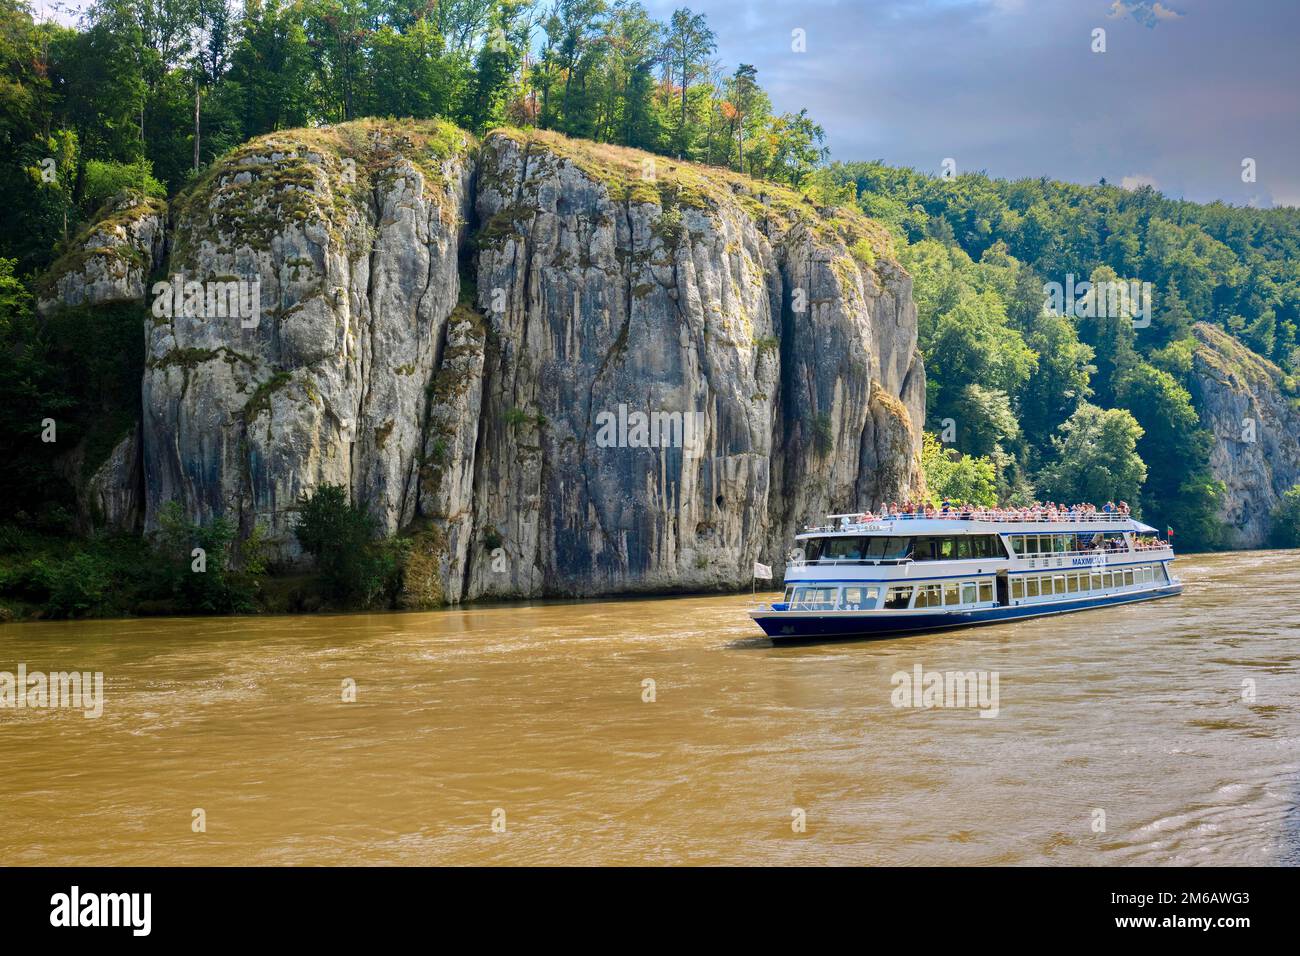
x=1086 y=405
x=1024 y=402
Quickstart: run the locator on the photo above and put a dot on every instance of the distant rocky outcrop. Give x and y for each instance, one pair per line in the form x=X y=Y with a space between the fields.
x=559 y=368
x=1254 y=413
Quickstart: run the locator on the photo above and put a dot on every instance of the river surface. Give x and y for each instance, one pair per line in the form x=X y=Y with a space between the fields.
x=525 y=734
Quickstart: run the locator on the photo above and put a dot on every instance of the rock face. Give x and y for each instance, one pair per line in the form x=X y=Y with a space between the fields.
x=776 y=336
x=1242 y=399
x=663 y=370
x=341 y=246
x=110 y=261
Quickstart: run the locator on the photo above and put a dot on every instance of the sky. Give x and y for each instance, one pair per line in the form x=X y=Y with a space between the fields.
x=1183 y=93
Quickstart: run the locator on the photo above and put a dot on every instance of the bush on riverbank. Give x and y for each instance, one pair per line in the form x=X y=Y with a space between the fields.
x=193 y=568
x=187 y=569
x=1286 y=520
x=355 y=566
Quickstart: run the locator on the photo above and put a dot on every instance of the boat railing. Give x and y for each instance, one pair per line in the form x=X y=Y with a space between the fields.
x=1090 y=518
x=1031 y=556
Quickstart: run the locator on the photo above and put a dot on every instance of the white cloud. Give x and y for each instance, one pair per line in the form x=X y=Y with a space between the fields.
x=1138 y=180
x=1144 y=12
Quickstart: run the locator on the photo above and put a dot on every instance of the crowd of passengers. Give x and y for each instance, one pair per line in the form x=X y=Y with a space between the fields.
x=1051 y=511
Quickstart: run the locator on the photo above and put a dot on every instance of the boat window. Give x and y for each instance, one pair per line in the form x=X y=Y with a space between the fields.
x=898 y=549
x=815 y=598
x=927 y=549
x=898 y=598
x=1128 y=577
x=812 y=549
x=842 y=549
x=1058 y=584
x=1031 y=587
x=876 y=548
x=950 y=595
x=1162 y=576
x=1074 y=584
x=1096 y=581
x=931 y=548
x=859 y=598
x=929 y=595
x=1017 y=588
x=1018 y=545
x=789 y=594
x=986 y=591
x=968 y=592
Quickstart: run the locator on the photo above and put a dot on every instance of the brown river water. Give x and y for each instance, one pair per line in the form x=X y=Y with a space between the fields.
x=534 y=718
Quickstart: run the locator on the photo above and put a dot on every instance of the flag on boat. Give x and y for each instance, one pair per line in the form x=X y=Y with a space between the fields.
x=1169 y=530
x=763 y=571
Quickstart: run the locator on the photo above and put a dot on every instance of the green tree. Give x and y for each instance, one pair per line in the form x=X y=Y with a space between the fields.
x=1285 y=531
x=1096 y=458
x=1179 y=492
x=972 y=344
x=795 y=148
x=355 y=569
x=270 y=76
x=956 y=477
x=686 y=50
x=202 y=567
x=1059 y=383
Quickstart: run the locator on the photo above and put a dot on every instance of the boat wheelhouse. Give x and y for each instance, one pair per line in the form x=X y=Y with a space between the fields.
x=863 y=578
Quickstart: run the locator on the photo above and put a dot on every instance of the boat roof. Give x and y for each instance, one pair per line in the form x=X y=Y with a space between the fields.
x=945 y=526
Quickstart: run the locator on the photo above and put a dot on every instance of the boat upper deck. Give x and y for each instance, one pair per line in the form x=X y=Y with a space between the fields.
x=977 y=523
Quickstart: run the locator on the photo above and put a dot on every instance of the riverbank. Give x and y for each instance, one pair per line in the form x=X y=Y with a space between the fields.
x=53 y=577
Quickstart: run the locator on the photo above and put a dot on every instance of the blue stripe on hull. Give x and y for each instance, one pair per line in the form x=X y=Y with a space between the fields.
x=779 y=626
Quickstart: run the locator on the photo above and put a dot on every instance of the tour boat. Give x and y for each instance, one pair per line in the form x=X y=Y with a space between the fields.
x=903 y=574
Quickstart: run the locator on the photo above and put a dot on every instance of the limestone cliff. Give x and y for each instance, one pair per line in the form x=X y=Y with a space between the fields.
x=613 y=280
x=342 y=245
x=1254 y=414
x=770 y=346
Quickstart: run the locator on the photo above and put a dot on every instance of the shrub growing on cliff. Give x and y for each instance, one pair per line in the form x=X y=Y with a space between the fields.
x=1286 y=520
x=355 y=569
x=106 y=180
